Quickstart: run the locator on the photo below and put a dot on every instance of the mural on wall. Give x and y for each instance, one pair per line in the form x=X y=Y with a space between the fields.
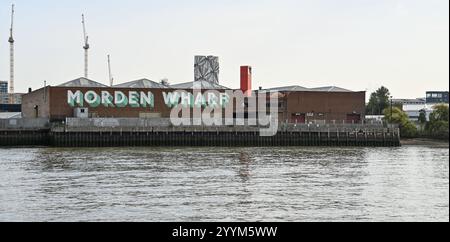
x=119 y=99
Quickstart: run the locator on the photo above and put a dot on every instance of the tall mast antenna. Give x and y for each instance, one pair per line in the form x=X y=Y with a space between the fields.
x=11 y=58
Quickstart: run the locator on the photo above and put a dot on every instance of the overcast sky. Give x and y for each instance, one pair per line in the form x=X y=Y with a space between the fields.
x=355 y=44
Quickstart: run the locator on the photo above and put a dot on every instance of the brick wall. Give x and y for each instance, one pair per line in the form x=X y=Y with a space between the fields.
x=52 y=103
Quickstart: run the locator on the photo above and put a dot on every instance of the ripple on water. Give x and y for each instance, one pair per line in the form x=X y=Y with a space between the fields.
x=410 y=183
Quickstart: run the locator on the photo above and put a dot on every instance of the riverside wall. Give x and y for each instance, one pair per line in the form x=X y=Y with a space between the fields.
x=160 y=132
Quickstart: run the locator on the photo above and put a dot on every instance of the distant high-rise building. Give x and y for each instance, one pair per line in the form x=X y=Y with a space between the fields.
x=18 y=98
x=3 y=87
x=4 y=96
x=437 y=97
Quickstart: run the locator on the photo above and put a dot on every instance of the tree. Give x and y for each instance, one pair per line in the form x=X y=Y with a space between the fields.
x=422 y=119
x=422 y=116
x=407 y=128
x=439 y=120
x=379 y=101
x=440 y=113
x=398 y=116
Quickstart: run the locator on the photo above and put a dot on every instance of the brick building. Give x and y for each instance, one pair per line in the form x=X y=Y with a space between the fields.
x=147 y=99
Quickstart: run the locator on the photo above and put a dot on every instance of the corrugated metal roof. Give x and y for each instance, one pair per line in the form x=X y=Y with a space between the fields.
x=288 y=89
x=330 y=89
x=10 y=115
x=406 y=101
x=199 y=85
x=142 y=83
x=305 y=89
x=82 y=82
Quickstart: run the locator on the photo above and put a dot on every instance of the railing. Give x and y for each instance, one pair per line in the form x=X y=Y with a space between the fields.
x=225 y=125
x=156 y=132
x=24 y=124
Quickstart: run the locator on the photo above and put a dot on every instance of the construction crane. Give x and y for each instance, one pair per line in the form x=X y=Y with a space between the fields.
x=85 y=47
x=11 y=58
x=111 y=79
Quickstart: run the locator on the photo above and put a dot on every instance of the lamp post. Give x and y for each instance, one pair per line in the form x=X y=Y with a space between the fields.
x=391 y=111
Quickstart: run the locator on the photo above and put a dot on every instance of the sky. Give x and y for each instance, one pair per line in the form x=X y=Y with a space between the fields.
x=355 y=44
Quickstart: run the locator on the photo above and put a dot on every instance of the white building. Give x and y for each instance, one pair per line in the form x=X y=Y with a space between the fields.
x=413 y=107
x=4 y=98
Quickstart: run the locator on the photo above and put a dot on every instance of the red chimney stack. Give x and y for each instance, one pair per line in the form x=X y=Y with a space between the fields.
x=246 y=80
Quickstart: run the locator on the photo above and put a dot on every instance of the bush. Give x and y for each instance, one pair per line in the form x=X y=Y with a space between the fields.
x=439 y=121
x=407 y=128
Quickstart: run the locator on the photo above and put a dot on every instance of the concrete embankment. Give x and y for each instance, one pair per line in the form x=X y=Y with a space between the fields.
x=425 y=142
x=136 y=132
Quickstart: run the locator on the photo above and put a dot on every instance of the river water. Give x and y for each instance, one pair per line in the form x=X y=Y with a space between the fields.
x=409 y=183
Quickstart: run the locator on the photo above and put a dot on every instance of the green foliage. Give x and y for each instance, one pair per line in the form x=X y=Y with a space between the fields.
x=407 y=128
x=398 y=116
x=439 y=121
x=422 y=117
x=440 y=113
x=379 y=100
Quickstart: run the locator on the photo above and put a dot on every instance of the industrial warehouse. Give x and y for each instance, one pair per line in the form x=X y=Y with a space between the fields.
x=85 y=112
x=83 y=98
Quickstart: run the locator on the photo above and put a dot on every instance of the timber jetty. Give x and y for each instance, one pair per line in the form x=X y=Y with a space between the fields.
x=114 y=132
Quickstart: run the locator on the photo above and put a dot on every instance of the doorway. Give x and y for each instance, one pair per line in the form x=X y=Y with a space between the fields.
x=298 y=118
x=353 y=118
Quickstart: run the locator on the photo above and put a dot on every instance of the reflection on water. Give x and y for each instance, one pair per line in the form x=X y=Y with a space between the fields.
x=225 y=184
x=244 y=170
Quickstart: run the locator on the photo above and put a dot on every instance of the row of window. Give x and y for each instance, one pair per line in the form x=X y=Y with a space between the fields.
x=435 y=95
x=3 y=87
